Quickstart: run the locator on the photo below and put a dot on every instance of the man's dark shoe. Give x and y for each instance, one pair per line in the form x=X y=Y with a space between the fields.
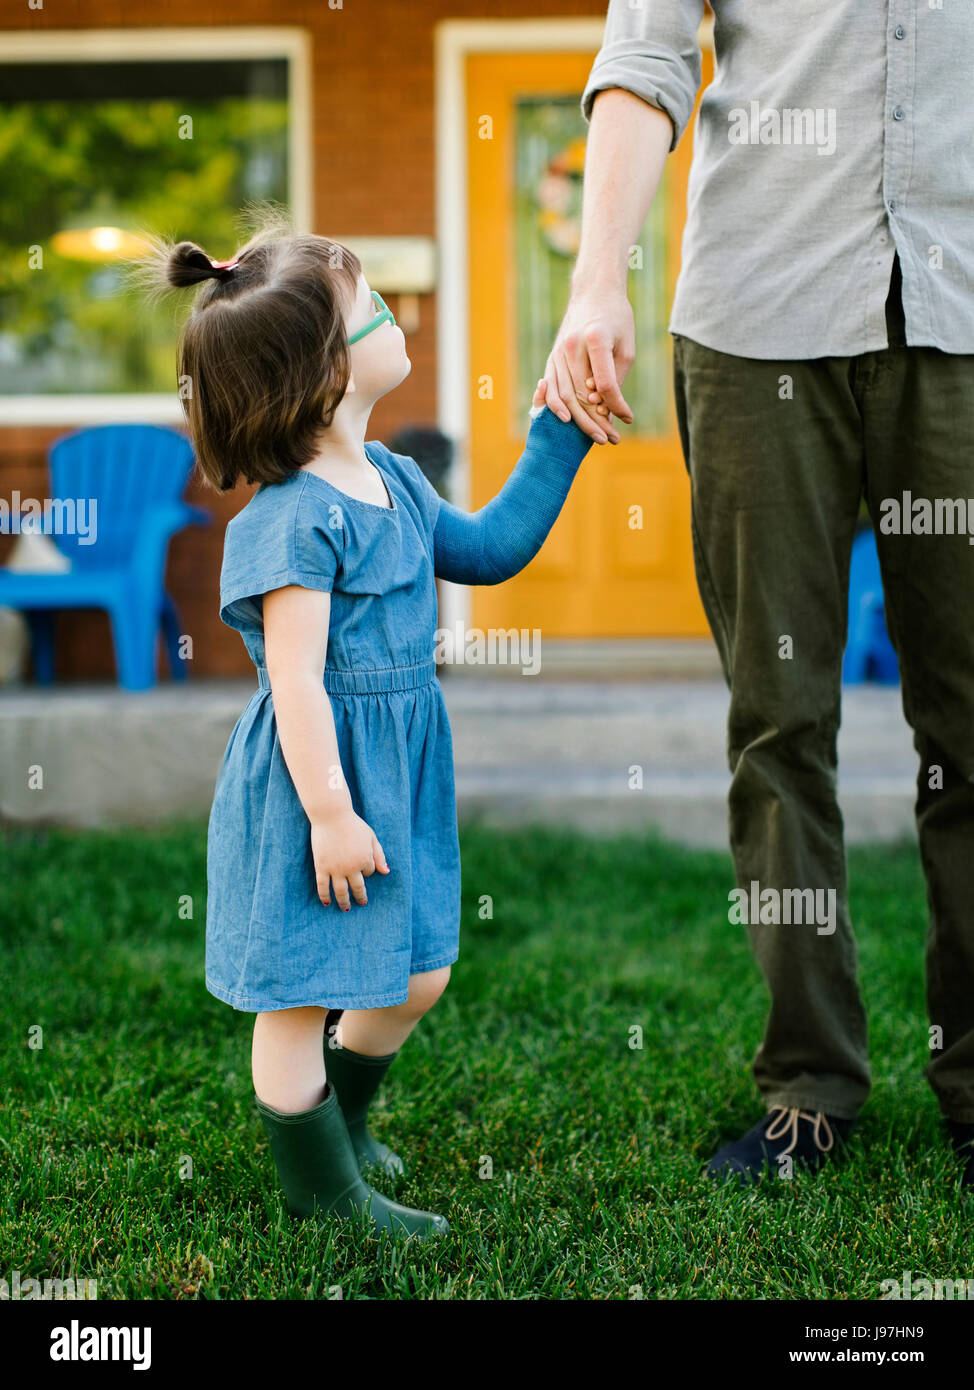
x=808 y=1138
x=962 y=1139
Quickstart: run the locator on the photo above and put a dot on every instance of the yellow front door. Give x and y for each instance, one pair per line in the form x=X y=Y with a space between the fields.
x=618 y=562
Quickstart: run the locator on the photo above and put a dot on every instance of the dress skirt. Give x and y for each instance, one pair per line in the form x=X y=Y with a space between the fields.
x=271 y=943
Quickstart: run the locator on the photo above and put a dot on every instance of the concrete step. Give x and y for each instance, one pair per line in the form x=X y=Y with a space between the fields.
x=599 y=755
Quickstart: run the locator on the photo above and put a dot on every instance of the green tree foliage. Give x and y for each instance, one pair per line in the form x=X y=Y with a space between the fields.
x=75 y=326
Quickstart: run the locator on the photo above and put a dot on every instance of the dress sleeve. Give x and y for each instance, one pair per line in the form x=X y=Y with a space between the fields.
x=269 y=546
x=496 y=542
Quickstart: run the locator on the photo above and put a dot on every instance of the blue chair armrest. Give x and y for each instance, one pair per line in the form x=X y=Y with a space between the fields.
x=155 y=531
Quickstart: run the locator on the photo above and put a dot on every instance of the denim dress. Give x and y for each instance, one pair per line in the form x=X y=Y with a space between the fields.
x=270 y=941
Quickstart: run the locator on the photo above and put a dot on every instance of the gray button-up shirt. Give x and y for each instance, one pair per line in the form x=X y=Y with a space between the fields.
x=834 y=132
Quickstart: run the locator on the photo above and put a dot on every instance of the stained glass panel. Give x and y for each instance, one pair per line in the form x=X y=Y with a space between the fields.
x=550 y=136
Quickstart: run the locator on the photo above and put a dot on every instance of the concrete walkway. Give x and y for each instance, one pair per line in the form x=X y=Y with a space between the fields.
x=557 y=750
x=567 y=752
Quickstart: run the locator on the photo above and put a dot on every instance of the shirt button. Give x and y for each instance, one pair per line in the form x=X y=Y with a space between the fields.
x=892 y=204
x=898 y=113
x=900 y=32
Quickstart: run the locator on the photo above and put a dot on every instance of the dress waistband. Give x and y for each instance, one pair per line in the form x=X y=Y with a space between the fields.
x=338 y=682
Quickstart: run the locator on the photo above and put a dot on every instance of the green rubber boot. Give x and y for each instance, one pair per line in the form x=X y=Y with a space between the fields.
x=316 y=1164
x=356 y=1078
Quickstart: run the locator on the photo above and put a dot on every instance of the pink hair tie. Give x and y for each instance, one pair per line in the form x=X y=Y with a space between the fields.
x=224 y=265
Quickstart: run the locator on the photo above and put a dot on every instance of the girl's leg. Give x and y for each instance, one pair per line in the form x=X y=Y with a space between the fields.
x=379 y=1032
x=308 y=1134
x=361 y=1050
x=287 y=1058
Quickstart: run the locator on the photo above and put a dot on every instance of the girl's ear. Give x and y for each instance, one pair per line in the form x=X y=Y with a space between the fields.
x=351 y=383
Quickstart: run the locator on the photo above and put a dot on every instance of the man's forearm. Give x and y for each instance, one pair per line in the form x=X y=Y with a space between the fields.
x=628 y=142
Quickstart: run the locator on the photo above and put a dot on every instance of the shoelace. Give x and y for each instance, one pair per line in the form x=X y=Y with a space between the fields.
x=788 y=1119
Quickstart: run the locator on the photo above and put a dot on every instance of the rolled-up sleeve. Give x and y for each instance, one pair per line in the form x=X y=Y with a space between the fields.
x=650 y=49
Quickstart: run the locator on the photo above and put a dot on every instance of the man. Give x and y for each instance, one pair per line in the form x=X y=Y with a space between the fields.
x=823 y=330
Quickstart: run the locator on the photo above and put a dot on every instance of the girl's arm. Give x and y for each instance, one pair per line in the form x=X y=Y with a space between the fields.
x=345 y=848
x=491 y=545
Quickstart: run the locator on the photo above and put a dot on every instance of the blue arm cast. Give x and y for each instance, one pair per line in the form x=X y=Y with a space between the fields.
x=491 y=545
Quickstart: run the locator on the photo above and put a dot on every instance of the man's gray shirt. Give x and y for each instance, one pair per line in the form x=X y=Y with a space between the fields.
x=834 y=133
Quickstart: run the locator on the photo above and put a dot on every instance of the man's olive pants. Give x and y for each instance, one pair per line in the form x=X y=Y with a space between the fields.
x=779 y=454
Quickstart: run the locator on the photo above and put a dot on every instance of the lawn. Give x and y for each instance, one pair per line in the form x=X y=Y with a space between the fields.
x=133 y=1153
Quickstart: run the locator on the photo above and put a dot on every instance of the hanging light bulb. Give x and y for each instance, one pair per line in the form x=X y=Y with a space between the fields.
x=97 y=235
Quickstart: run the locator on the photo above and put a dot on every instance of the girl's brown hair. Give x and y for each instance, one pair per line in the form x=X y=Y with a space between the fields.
x=263 y=359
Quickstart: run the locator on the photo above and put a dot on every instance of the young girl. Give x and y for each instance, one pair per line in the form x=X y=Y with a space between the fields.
x=340 y=769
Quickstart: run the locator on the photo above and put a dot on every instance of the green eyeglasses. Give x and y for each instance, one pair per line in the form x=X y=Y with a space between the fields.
x=382 y=313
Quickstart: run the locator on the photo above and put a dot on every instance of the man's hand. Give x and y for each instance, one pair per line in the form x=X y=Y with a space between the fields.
x=594 y=349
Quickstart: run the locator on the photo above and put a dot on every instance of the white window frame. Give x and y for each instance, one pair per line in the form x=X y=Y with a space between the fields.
x=167 y=45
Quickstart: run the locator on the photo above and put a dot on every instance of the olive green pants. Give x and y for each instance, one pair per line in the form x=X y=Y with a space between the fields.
x=779 y=454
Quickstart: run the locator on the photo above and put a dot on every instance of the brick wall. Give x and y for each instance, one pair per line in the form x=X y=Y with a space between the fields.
x=373 y=149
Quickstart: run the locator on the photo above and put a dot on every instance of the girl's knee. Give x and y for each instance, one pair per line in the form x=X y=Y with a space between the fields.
x=425 y=989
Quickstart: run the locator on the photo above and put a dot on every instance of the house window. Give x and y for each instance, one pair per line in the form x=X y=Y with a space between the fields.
x=172 y=144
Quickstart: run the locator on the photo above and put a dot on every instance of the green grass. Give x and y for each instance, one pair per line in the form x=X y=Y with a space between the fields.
x=597 y=1148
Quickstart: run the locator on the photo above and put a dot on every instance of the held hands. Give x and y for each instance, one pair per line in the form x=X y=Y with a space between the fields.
x=541 y=392
x=346 y=852
x=596 y=343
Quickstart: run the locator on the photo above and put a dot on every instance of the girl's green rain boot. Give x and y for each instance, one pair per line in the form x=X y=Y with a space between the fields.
x=318 y=1170
x=356 y=1078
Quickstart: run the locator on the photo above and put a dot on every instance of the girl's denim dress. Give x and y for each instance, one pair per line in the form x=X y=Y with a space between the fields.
x=270 y=941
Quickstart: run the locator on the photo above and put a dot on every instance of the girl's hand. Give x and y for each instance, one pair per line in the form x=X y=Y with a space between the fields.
x=346 y=852
x=595 y=398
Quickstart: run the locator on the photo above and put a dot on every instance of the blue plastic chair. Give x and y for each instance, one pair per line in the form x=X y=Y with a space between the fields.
x=869 y=654
x=136 y=474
